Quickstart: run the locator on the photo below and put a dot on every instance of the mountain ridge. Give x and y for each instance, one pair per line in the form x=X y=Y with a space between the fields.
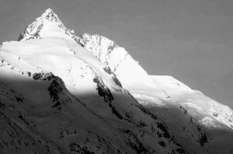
x=69 y=93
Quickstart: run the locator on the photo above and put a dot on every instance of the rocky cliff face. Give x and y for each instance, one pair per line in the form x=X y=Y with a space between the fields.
x=67 y=93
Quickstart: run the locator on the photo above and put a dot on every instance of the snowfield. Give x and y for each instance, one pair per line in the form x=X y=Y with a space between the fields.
x=66 y=93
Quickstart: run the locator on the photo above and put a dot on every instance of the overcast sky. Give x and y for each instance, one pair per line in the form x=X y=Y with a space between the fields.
x=188 y=39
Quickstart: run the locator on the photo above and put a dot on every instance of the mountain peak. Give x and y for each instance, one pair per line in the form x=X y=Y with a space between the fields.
x=47 y=25
x=50 y=15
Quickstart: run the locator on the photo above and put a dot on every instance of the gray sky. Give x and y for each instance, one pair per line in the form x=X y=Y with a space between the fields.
x=189 y=39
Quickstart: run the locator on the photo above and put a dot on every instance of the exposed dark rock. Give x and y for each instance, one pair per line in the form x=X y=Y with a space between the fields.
x=20 y=37
x=18 y=99
x=203 y=139
x=108 y=70
x=115 y=112
x=21 y=117
x=135 y=143
x=54 y=89
x=162 y=143
x=164 y=129
x=117 y=82
x=103 y=90
x=43 y=76
x=2 y=106
x=180 y=151
x=76 y=148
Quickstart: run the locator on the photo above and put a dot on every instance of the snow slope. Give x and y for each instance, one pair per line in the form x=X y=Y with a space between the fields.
x=67 y=93
x=132 y=76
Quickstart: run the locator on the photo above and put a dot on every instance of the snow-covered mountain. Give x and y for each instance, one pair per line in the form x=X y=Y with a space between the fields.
x=62 y=92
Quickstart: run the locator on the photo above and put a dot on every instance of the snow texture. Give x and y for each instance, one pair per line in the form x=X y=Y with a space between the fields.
x=67 y=93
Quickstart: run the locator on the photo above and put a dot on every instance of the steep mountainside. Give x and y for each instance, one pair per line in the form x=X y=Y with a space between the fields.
x=67 y=93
